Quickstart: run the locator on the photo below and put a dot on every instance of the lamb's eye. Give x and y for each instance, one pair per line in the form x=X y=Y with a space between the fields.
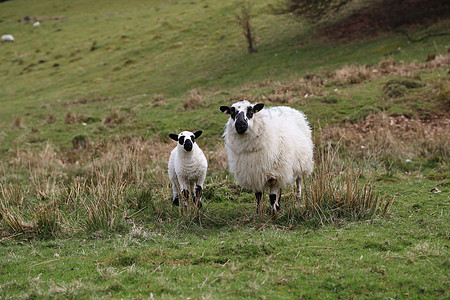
x=181 y=140
x=192 y=139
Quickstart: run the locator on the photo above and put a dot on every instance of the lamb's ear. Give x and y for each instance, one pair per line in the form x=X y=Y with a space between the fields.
x=198 y=133
x=225 y=109
x=174 y=136
x=258 y=107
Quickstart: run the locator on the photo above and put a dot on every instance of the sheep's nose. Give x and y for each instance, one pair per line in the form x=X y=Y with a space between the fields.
x=241 y=127
x=241 y=124
x=188 y=145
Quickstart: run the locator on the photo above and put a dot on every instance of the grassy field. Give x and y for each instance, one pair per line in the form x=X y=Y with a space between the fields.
x=89 y=97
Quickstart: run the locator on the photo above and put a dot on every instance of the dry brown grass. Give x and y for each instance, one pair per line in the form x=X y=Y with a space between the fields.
x=336 y=192
x=351 y=75
x=400 y=136
x=18 y=123
x=72 y=118
x=114 y=118
x=194 y=99
x=157 y=100
x=314 y=84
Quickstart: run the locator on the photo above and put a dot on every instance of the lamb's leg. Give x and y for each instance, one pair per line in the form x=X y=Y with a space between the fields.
x=192 y=191
x=275 y=195
x=198 y=195
x=185 y=192
x=258 y=196
x=175 y=197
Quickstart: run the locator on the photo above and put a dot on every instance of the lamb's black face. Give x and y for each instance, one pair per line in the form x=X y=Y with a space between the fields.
x=186 y=139
x=242 y=113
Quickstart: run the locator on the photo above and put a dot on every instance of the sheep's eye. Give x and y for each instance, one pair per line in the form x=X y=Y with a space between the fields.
x=250 y=112
x=233 y=113
x=181 y=140
x=192 y=139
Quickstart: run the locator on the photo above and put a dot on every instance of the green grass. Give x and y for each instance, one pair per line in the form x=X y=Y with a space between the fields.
x=403 y=256
x=86 y=105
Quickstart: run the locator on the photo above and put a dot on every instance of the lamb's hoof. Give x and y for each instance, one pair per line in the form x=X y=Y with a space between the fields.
x=176 y=201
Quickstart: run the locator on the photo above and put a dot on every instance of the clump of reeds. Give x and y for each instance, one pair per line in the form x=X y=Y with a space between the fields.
x=337 y=192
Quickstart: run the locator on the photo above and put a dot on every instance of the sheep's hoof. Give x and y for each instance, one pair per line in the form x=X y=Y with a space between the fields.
x=176 y=201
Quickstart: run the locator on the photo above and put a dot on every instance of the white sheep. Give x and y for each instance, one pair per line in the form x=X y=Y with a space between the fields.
x=7 y=38
x=268 y=148
x=187 y=168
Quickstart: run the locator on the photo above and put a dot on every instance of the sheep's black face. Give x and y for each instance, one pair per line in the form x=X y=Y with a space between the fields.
x=242 y=113
x=186 y=139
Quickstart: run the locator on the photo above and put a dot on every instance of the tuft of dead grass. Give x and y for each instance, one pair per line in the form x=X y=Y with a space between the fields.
x=335 y=193
x=114 y=118
x=194 y=99
x=351 y=75
x=72 y=118
x=18 y=123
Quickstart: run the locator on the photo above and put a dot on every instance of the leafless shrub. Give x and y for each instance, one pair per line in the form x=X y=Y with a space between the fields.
x=243 y=19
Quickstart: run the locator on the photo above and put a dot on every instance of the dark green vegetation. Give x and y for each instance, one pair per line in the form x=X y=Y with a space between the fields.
x=88 y=98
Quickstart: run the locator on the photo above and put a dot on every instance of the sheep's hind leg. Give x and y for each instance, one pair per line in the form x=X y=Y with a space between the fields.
x=299 y=191
x=258 y=196
x=275 y=196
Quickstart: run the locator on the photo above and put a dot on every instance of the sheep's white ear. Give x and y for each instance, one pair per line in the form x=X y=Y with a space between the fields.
x=198 y=133
x=258 y=107
x=174 y=137
x=225 y=109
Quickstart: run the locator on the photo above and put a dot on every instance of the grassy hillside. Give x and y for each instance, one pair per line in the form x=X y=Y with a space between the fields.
x=86 y=103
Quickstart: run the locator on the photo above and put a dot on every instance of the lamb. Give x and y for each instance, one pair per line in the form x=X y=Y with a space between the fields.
x=268 y=148
x=187 y=168
x=7 y=38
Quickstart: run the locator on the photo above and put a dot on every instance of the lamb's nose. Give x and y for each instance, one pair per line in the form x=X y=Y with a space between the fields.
x=188 y=145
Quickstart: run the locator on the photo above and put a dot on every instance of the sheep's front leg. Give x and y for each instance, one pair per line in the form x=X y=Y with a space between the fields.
x=275 y=196
x=258 y=196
